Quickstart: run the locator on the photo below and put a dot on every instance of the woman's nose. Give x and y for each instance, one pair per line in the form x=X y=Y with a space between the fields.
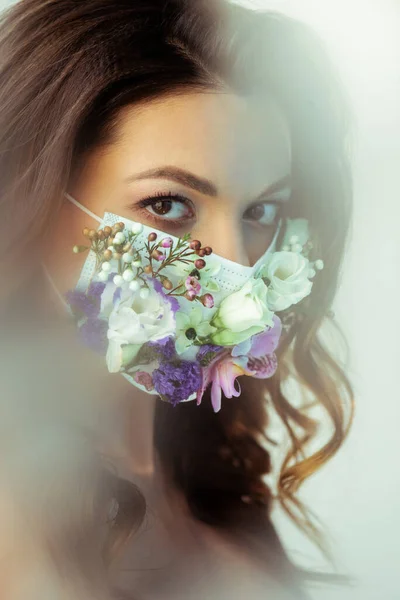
x=225 y=236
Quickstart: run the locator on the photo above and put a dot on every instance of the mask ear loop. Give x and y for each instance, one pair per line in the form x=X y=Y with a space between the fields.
x=56 y=290
x=46 y=271
x=85 y=210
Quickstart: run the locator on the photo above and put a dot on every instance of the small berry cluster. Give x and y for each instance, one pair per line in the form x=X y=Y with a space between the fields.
x=117 y=243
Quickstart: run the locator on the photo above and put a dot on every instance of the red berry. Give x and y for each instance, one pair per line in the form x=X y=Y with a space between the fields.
x=208 y=250
x=195 y=245
x=200 y=263
x=207 y=300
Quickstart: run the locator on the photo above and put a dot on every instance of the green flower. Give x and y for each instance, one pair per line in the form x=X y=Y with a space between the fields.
x=242 y=314
x=190 y=327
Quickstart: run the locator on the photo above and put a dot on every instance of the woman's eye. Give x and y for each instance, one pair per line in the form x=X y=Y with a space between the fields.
x=168 y=207
x=264 y=213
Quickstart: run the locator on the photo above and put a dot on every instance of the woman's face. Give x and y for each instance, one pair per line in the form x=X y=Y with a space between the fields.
x=213 y=164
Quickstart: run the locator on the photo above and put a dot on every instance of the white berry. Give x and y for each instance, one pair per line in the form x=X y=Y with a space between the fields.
x=297 y=248
x=119 y=238
x=134 y=285
x=118 y=281
x=137 y=263
x=311 y=273
x=144 y=293
x=294 y=239
x=103 y=276
x=106 y=267
x=128 y=275
x=127 y=258
x=137 y=228
x=319 y=264
x=285 y=248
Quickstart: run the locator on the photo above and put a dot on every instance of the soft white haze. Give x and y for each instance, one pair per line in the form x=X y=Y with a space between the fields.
x=358 y=494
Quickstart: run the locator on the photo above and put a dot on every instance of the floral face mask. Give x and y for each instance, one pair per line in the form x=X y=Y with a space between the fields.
x=174 y=318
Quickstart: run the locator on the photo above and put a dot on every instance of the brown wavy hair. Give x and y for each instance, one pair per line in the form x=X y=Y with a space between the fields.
x=67 y=67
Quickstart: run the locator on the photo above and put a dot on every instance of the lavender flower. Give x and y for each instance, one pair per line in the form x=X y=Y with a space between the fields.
x=96 y=289
x=93 y=334
x=177 y=381
x=164 y=347
x=87 y=304
x=207 y=353
x=84 y=305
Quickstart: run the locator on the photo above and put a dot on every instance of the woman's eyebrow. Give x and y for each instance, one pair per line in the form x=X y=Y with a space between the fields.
x=204 y=186
x=285 y=183
x=199 y=184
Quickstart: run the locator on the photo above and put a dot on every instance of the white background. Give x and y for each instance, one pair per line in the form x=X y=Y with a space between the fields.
x=358 y=494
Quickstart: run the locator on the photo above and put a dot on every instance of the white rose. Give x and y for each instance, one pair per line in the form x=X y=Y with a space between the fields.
x=289 y=283
x=242 y=314
x=136 y=321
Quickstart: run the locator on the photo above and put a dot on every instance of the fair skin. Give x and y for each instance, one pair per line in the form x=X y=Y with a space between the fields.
x=235 y=152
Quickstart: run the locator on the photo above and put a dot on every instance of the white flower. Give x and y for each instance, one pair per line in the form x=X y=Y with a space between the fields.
x=190 y=326
x=288 y=274
x=135 y=321
x=242 y=314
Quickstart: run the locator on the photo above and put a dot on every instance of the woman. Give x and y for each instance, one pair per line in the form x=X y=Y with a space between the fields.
x=184 y=117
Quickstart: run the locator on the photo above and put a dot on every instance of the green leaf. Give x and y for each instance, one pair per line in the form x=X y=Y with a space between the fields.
x=129 y=354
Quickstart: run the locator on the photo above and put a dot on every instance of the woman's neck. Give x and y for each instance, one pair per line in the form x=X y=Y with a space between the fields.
x=134 y=432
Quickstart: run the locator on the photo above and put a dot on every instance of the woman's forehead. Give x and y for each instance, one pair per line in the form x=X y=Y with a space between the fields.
x=217 y=135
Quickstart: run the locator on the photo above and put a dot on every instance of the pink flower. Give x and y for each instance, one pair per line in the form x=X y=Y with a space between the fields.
x=143 y=378
x=221 y=374
x=254 y=357
x=193 y=285
x=167 y=242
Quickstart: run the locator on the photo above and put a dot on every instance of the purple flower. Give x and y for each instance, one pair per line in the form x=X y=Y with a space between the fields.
x=83 y=304
x=164 y=347
x=177 y=381
x=207 y=353
x=263 y=367
x=96 y=289
x=93 y=334
x=256 y=355
x=260 y=344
